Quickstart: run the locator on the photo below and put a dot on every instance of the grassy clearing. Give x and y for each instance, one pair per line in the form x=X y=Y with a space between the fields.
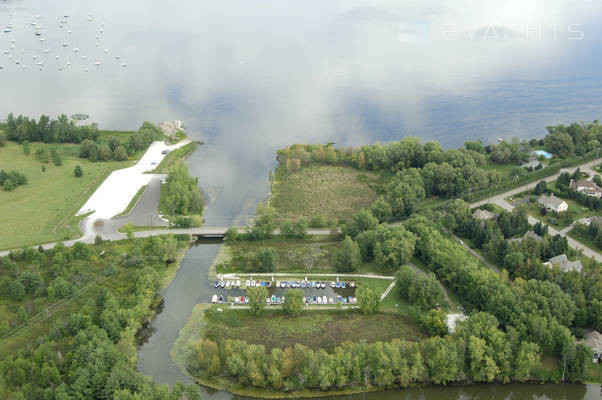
x=174 y=156
x=294 y=256
x=578 y=233
x=133 y=202
x=317 y=330
x=333 y=191
x=503 y=169
x=575 y=212
x=43 y=210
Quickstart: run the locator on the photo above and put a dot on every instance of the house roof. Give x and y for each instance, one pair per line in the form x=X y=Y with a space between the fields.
x=483 y=214
x=585 y=185
x=527 y=235
x=596 y=220
x=565 y=264
x=593 y=340
x=551 y=201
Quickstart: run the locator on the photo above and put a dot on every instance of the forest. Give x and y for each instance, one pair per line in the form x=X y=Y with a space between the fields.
x=98 y=297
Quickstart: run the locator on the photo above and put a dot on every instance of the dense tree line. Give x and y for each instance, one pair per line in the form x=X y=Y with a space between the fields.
x=577 y=138
x=524 y=259
x=92 y=146
x=479 y=352
x=542 y=311
x=181 y=195
x=61 y=130
x=420 y=290
x=116 y=150
x=89 y=352
x=11 y=179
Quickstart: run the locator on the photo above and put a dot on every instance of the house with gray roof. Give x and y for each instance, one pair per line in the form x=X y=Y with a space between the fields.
x=527 y=235
x=552 y=203
x=563 y=262
x=483 y=215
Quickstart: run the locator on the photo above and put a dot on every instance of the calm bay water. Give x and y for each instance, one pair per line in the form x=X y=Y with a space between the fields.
x=248 y=77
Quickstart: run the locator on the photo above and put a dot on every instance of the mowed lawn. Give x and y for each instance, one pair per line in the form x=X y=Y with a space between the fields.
x=315 y=329
x=43 y=210
x=333 y=191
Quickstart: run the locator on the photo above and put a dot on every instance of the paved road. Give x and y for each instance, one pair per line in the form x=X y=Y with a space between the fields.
x=114 y=235
x=524 y=188
x=500 y=201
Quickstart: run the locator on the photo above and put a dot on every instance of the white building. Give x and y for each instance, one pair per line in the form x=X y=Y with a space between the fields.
x=553 y=203
x=586 y=187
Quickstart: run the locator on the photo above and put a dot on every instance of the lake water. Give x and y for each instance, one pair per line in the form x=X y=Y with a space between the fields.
x=250 y=76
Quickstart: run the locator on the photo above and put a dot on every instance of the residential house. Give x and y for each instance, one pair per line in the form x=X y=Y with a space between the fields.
x=527 y=235
x=564 y=263
x=553 y=203
x=595 y=220
x=483 y=215
x=586 y=187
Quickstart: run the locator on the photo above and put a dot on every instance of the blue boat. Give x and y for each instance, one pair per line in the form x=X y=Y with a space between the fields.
x=268 y=284
x=294 y=283
x=278 y=300
x=288 y=284
x=350 y=299
x=262 y=283
x=338 y=285
x=339 y=299
x=342 y=285
x=303 y=284
x=308 y=300
x=314 y=299
x=222 y=284
x=215 y=284
x=313 y=284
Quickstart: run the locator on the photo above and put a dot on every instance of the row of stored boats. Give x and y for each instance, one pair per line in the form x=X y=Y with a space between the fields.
x=284 y=284
x=279 y=300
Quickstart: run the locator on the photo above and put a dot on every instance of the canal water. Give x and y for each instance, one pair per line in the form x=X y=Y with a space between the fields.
x=250 y=76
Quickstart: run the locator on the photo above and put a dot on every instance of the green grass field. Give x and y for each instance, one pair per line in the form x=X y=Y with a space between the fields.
x=315 y=329
x=579 y=234
x=304 y=256
x=333 y=191
x=43 y=210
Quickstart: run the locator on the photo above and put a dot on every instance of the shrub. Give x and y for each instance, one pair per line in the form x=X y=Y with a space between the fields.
x=78 y=172
x=294 y=302
x=348 y=257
